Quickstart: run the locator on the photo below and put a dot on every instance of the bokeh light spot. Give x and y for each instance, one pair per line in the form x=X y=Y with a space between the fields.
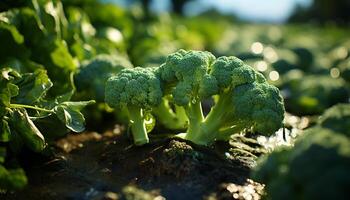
x=274 y=75
x=257 y=48
x=334 y=72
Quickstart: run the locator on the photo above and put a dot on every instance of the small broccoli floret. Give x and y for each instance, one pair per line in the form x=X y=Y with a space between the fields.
x=139 y=90
x=311 y=95
x=244 y=100
x=188 y=71
x=317 y=167
x=93 y=75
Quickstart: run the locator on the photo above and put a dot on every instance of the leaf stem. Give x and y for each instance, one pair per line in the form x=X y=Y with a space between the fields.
x=30 y=107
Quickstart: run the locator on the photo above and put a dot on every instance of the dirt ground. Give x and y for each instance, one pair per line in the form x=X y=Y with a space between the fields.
x=106 y=166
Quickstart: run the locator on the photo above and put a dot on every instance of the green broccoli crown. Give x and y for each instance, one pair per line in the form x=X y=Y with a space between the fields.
x=310 y=95
x=258 y=105
x=94 y=74
x=337 y=118
x=315 y=168
x=255 y=103
x=189 y=71
x=134 y=87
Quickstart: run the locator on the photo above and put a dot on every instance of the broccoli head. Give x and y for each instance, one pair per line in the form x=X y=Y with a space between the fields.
x=312 y=94
x=188 y=71
x=93 y=75
x=138 y=90
x=337 y=118
x=243 y=98
x=317 y=167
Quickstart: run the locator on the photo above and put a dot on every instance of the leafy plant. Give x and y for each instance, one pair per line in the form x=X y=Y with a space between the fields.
x=23 y=103
x=315 y=168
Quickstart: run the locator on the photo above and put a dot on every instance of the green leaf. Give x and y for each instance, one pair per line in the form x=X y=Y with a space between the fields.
x=52 y=127
x=12 y=41
x=16 y=36
x=7 y=89
x=69 y=113
x=12 y=179
x=61 y=56
x=4 y=131
x=26 y=129
x=33 y=87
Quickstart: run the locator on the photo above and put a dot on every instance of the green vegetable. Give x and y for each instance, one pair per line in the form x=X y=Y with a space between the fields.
x=92 y=77
x=23 y=107
x=243 y=98
x=337 y=118
x=138 y=90
x=312 y=94
x=317 y=167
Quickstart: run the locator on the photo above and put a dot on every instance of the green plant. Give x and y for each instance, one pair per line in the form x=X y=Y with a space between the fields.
x=312 y=94
x=92 y=76
x=243 y=99
x=315 y=168
x=138 y=90
x=23 y=112
x=336 y=118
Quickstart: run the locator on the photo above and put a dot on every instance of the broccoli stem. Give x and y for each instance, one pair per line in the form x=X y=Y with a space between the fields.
x=138 y=126
x=170 y=119
x=202 y=130
x=195 y=117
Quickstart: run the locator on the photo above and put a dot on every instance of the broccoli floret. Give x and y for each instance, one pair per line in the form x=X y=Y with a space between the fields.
x=312 y=94
x=244 y=100
x=93 y=75
x=337 y=118
x=317 y=167
x=139 y=90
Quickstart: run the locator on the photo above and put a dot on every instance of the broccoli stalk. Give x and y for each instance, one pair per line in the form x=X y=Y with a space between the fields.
x=138 y=125
x=205 y=129
x=174 y=119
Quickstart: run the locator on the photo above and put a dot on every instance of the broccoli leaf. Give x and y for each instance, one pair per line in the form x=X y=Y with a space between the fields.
x=25 y=127
x=33 y=87
x=69 y=113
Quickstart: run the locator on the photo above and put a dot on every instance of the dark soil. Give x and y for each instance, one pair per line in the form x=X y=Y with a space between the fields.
x=94 y=166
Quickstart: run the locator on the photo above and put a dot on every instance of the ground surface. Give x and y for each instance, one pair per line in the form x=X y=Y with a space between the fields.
x=94 y=166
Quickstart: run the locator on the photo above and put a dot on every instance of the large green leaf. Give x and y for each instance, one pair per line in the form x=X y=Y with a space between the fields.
x=33 y=87
x=26 y=129
x=69 y=113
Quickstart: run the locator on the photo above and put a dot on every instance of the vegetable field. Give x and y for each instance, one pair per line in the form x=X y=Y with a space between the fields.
x=104 y=102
